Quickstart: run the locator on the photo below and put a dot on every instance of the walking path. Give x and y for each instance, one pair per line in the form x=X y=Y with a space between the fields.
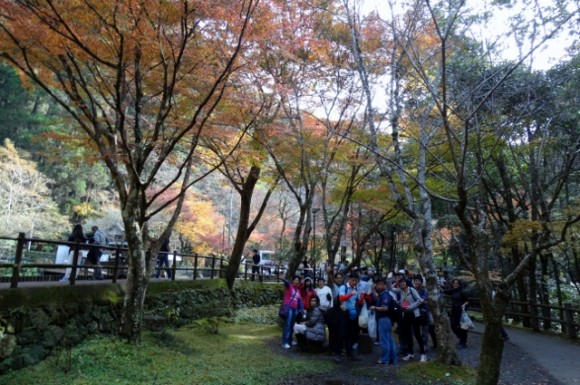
x=559 y=357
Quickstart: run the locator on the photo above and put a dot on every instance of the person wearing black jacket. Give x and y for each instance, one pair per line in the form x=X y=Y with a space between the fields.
x=458 y=302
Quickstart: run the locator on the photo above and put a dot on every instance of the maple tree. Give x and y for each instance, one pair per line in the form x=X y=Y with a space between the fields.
x=141 y=78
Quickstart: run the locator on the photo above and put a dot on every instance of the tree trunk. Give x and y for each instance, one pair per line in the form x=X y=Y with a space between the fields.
x=492 y=342
x=137 y=281
x=242 y=234
x=544 y=292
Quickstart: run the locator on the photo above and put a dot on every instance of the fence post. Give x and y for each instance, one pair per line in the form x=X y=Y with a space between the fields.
x=534 y=316
x=195 y=266
x=174 y=265
x=221 y=267
x=245 y=271
x=570 y=321
x=116 y=264
x=73 y=271
x=212 y=266
x=17 y=261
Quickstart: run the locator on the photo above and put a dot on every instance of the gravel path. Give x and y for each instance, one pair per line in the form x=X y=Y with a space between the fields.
x=518 y=367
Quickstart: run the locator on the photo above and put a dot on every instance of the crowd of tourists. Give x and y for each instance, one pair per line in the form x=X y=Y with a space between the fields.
x=359 y=310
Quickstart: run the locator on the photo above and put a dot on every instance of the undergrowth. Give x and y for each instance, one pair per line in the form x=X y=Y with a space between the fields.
x=238 y=354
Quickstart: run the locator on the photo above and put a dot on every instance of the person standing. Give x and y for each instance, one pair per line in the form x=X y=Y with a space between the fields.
x=349 y=297
x=458 y=302
x=324 y=295
x=334 y=314
x=307 y=292
x=77 y=236
x=256 y=265
x=163 y=259
x=382 y=302
x=294 y=301
x=409 y=324
x=94 y=255
x=426 y=319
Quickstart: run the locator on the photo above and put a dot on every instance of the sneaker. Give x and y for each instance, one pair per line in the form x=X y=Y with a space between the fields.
x=294 y=343
x=355 y=346
x=423 y=358
x=286 y=346
x=408 y=357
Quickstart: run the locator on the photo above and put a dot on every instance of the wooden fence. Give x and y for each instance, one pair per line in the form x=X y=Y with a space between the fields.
x=23 y=266
x=531 y=311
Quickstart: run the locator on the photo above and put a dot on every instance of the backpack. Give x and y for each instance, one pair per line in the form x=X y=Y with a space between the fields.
x=395 y=312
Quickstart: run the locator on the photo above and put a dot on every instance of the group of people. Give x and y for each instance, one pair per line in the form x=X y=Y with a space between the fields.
x=397 y=301
x=97 y=240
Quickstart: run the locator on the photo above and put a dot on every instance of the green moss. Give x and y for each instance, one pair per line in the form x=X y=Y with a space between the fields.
x=43 y=296
x=420 y=373
x=237 y=355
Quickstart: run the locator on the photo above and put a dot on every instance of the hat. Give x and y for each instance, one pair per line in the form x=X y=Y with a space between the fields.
x=307 y=279
x=402 y=272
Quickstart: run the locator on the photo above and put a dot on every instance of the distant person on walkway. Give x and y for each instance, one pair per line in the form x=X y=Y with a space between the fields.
x=77 y=235
x=163 y=259
x=294 y=301
x=255 y=264
x=94 y=255
x=458 y=302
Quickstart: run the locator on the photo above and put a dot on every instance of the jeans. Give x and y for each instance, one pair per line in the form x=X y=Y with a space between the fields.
x=388 y=348
x=163 y=260
x=289 y=326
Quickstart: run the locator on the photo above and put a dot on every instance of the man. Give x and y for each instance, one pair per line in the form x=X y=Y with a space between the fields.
x=94 y=255
x=256 y=264
x=334 y=314
x=349 y=296
x=382 y=302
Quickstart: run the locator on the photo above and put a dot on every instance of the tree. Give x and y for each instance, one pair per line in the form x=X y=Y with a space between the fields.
x=141 y=79
x=465 y=156
x=25 y=198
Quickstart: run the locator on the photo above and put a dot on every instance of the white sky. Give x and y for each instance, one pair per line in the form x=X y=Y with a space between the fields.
x=499 y=27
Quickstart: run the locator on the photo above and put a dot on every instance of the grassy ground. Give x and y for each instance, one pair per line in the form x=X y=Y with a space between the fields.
x=245 y=352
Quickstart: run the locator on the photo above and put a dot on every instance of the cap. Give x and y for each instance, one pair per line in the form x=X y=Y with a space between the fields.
x=401 y=271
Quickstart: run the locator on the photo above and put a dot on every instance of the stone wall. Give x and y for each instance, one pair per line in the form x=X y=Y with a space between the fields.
x=36 y=322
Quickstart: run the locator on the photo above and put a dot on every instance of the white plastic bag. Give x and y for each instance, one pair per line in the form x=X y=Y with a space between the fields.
x=372 y=325
x=465 y=322
x=363 y=317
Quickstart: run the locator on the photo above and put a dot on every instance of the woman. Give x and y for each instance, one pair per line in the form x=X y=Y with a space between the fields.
x=313 y=326
x=458 y=302
x=77 y=236
x=410 y=323
x=294 y=303
x=306 y=292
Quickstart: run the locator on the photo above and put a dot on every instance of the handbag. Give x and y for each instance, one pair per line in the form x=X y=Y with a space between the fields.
x=284 y=310
x=363 y=317
x=372 y=325
x=465 y=322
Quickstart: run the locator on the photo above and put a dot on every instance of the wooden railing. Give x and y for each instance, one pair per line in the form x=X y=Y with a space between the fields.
x=20 y=268
x=530 y=311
